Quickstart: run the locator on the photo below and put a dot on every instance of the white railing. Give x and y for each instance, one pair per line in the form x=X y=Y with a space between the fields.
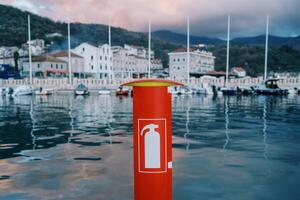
x=62 y=83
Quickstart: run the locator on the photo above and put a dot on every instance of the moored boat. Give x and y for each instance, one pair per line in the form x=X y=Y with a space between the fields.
x=122 y=91
x=6 y=91
x=23 y=90
x=230 y=90
x=269 y=87
x=104 y=91
x=81 y=89
x=44 y=91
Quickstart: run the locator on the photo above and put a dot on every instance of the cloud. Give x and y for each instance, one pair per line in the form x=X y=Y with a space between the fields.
x=208 y=17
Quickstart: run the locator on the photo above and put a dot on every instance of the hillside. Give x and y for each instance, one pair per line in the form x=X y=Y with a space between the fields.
x=247 y=51
x=178 y=38
x=13 y=32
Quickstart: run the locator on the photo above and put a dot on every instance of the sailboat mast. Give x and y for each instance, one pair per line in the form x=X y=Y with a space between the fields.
x=188 y=51
x=266 y=49
x=149 y=49
x=29 y=51
x=69 y=54
x=227 y=55
x=109 y=46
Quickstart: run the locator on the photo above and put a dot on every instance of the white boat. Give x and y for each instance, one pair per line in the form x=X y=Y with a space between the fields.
x=269 y=87
x=206 y=89
x=186 y=90
x=23 y=90
x=199 y=90
x=44 y=91
x=81 y=89
x=174 y=90
x=104 y=92
x=6 y=91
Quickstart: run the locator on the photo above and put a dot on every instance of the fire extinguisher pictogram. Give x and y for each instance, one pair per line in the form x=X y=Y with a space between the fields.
x=152 y=146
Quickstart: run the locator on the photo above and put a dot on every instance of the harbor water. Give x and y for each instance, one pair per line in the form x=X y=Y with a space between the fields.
x=67 y=147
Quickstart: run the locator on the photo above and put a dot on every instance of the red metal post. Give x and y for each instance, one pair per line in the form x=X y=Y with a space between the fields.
x=152 y=122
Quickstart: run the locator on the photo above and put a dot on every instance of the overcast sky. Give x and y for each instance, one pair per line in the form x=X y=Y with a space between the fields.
x=208 y=17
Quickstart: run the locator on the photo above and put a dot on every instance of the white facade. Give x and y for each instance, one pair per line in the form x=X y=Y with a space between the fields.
x=126 y=65
x=77 y=62
x=7 y=51
x=239 y=72
x=97 y=60
x=138 y=51
x=46 y=66
x=201 y=62
x=37 y=47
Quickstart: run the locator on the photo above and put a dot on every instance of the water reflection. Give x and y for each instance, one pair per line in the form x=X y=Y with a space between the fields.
x=226 y=122
x=265 y=129
x=187 y=123
x=32 y=124
x=62 y=147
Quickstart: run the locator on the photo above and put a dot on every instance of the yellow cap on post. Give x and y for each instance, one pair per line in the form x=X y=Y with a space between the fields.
x=152 y=83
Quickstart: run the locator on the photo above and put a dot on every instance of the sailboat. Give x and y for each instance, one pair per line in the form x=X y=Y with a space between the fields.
x=228 y=90
x=269 y=86
x=26 y=89
x=105 y=91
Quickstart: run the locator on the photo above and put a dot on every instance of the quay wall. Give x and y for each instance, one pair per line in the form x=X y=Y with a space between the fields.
x=63 y=84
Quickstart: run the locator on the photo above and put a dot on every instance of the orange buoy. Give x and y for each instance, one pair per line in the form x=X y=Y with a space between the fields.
x=152 y=123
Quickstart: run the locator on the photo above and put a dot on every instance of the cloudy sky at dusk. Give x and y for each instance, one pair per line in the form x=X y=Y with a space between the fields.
x=208 y=17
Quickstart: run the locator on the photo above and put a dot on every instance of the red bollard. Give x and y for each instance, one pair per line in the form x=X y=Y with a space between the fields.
x=152 y=140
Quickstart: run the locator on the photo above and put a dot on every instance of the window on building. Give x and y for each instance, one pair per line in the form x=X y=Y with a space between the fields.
x=83 y=49
x=174 y=60
x=178 y=59
x=100 y=57
x=51 y=65
x=92 y=66
x=105 y=58
x=183 y=59
x=61 y=66
x=56 y=66
x=38 y=65
x=92 y=57
x=101 y=66
x=105 y=67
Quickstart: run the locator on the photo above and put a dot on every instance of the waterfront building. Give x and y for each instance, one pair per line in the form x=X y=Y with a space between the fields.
x=126 y=65
x=239 y=72
x=97 y=60
x=6 y=52
x=77 y=62
x=37 y=47
x=139 y=51
x=46 y=66
x=201 y=62
x=132 y=62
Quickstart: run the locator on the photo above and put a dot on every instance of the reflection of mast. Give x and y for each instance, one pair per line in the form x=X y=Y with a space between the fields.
x=187 y=125
x=33 y=125
x=107 y=111
x=71 y=117
x=226 y=123
x=265 y=130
